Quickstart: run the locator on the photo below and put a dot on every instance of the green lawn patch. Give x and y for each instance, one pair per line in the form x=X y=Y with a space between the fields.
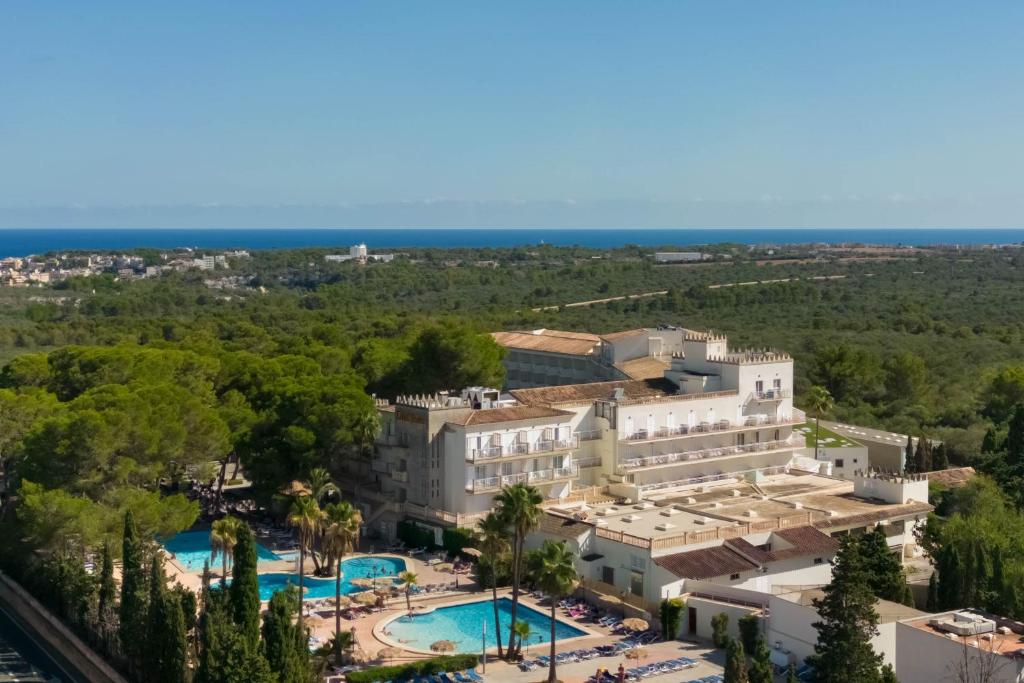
x=829 y=439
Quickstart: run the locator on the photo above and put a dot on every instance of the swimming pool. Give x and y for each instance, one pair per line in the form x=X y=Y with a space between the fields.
x=317 y=588
x=462 y=625
x=192 y=548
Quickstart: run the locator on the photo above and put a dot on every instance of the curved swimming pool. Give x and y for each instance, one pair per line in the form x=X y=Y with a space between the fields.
x=463 y=625
x=192 y=549
x=369 y=566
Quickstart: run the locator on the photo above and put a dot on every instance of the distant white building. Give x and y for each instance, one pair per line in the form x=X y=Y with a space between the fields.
x=358 y=253
x=680 y=256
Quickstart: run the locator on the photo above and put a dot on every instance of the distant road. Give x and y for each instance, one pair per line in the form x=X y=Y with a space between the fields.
x=663 y=292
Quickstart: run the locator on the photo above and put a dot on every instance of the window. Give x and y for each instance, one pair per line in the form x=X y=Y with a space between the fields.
x=741 y=439
x=636 y=583
x=839 y=462
x=759 y=386
x=818 y=560
x=776 y=437
x=777 y=384
x=608 y=575
x=637 y=562
x=734 y=577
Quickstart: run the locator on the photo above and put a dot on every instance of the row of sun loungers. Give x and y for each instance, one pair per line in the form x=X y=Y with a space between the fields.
x=434 y=588
x=468 y=676
x=666 y=667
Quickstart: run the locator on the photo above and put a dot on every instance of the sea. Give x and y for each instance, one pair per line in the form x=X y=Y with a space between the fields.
x=22 y=242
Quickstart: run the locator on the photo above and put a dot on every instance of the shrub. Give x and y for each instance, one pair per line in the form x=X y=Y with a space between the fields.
x=403 y=672
x=750 y=631
x=414 y=535
x=456 y=538
x=720 y=629
x=671 y=612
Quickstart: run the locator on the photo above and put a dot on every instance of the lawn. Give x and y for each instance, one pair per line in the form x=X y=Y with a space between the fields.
x=829 y=439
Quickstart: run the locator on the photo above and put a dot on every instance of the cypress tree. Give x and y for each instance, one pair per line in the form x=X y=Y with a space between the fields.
x=166 y=644
x=885 y=572
x=132 y=617
x=933 y=593
x=761 y=664
x=282 y=644
x=848 y=621
x=791 y=675
x=940 y=458
x=750 y=632
x=107 y=602
x=245 y=588
x=990 y=443
x=951 y=580
x=996 y=589
x=735 y=662
x=1015 y=440
x=909 y=463
x=922 y=456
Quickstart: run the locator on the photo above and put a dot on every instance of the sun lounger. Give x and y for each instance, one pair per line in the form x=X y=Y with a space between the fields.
x=462 y=678
x=474 y=676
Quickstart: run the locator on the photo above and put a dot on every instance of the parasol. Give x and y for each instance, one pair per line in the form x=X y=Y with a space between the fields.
x=635 y=624
x=442 y=646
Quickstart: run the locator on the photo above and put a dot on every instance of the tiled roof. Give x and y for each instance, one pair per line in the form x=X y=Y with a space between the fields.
x=643 y=368
x=552 y=341
x=595 y=391
x=622 y=335
x=954 y=477
x=805 y=541
x=564 y=527
x=887 y=512
x=705 y=563
x=511 y=414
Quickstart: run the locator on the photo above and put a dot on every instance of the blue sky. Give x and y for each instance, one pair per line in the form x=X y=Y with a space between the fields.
x=516 y=113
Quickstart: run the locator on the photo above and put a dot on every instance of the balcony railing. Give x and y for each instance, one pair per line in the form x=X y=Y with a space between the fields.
x=707 y=453
x=400 y=475
x=710 y=478
x=770 y=395
x=589 y=435
x=749 y=422
x=535 y=477
x=587 y=462
x=544 y=446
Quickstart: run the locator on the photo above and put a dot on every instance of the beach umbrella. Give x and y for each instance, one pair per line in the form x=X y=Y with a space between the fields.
x=611 y=600
x=634 y=624
x=367 y=598
x=472 y=552
x=389 y=652
x=362 y=582
x=343 y=601
x=315 y=620
x=296 y=488
x=360 y=656
x=444 y=567
x=635 y=653
x=442 y=646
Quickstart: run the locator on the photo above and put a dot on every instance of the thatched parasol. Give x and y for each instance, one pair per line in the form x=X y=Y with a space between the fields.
x=343 y=601
x=362 y=582
x=389 y=652
x=635 y=624
x=367 y=598
x=472 y=552
x=443 y=646
x=635 y=653
x=314 y=620
x=444 y=567
x=296 y=488
x=360 y=656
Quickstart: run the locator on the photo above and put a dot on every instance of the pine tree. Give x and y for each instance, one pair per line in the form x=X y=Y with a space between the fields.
x=888 y=675
x=132 y=617
x=909 y=462
x=951 y=580
x=933 y=593
x=735 y=662
x=245 y=588
x=106 y=608
x=1015 y=441
x=282 y=644
x=885 y=572
x=760 y=664
x=848 y=621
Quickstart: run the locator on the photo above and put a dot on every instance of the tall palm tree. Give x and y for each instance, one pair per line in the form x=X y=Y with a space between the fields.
x=818 y=402
x=320 y=484
x=494 y=549
x=223 y=536
x=520 y=505
x=554 y=570
x=342 y=522
x=305 y=516
x=409 y=579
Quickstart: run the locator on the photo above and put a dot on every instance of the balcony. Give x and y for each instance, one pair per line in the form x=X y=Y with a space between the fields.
x=400 y=475
x=588 y=435
x=584 y=463
x=707 y=454
x=704 y=428
x=770 y=395
x=533 y=478
x=518 y=449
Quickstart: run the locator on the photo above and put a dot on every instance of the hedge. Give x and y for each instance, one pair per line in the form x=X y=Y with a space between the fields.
x=424 y=667
x=454 y=539
x=414 y=536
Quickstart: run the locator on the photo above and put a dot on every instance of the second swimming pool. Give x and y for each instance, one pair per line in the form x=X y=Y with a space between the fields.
x=464 y=624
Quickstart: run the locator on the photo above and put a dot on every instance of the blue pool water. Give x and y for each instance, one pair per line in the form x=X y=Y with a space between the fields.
x=462 y=625
x=355 y=568
x=192 y=548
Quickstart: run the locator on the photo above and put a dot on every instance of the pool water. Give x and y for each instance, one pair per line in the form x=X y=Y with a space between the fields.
x=316 y=588
x=462 y=624
x=192 y=548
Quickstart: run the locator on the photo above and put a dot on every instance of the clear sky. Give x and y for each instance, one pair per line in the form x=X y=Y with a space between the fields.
x=516 y=113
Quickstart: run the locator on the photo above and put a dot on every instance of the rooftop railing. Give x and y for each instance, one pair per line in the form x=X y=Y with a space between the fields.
x=542 y=446
x=707 y=453
x=748 y=422
x=534 y=477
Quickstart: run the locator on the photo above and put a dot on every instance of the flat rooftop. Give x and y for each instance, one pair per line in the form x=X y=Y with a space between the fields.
x=1011 y=643
x=887 y=611
x=827 y=437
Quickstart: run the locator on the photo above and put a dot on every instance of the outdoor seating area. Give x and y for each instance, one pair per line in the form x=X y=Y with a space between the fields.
x=664 y=667
x=467 y=676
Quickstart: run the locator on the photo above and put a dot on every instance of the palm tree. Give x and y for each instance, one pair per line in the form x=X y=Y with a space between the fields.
x=342 y=522
x=520 y=505
x=409 y=579
x=522 y=631
x=494 y=550
x=320 y=484
x=305 y=516
x=223 y=536
x=554 y=571
x=818 y=402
